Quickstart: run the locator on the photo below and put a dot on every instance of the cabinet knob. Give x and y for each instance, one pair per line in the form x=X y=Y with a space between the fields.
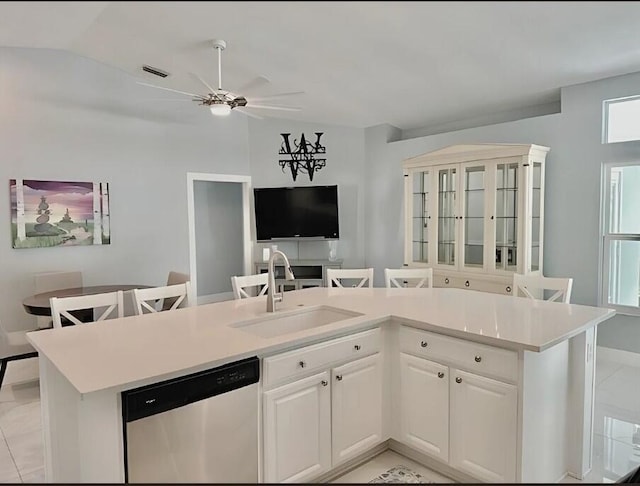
x=324 y=382
x=302 y=364
x=446 y=280
x=440 y=374
x=357 y=347
x=458 y=380
x=508 y=289
x=466 y=284
x=339 y=377
x=478 y=359
x=424 y=344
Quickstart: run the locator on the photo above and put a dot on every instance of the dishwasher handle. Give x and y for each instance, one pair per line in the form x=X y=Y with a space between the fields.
x=164 y=396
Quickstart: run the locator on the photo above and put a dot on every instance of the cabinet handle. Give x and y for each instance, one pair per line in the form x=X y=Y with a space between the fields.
x=357 y=347
x=424 y=344
x=324 y=382
x=478 y=359
x=491 y=217
x=508 y=289
x=302 y=364
x=339 y=377
x=458 y=380
x=440 y=374
x=466 y=284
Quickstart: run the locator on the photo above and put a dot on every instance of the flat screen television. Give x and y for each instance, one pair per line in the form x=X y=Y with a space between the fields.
x=292 y=213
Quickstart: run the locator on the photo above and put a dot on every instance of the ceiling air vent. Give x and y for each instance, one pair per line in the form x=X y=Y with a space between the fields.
x=156 y=71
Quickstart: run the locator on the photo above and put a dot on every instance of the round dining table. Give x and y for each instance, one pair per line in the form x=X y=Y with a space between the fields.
x=39 y=305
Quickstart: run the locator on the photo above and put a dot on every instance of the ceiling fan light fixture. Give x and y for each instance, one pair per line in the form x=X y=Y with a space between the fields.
x=220 y=109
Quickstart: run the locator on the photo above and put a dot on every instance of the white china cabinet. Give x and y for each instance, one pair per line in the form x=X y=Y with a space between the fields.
x=475 y=214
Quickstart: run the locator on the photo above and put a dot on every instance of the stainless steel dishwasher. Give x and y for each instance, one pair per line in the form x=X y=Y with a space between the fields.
x=198 y=428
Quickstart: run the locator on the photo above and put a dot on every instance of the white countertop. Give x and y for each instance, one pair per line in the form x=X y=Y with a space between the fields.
x=116 y=353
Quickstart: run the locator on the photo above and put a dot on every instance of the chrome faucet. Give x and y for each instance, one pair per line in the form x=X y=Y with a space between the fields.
x=272 y=296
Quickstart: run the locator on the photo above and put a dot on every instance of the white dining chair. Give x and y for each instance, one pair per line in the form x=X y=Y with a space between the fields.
x=62 y=306
x=402 y=277
x=13 y=347
x=149 y=299
x=363 y=275
x=241 y=283
x=534 y=287
x=175 y=278
x=50 y=281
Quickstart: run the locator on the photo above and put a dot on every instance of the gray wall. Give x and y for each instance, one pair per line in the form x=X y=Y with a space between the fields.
x=65 y=117
x=572 y=199
x=345 y=167
x=219 y=238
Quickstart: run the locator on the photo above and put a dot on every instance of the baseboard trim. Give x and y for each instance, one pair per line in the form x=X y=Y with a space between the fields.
x=212 y=298
x=618 y=356
x=352 y=464
x=430 y=463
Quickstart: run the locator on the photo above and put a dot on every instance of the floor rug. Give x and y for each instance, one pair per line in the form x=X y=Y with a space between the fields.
x=400 y=474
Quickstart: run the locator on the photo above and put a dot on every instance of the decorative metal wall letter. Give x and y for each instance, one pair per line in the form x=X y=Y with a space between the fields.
x=302 y=158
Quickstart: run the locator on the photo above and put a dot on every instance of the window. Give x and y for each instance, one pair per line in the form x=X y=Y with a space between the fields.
x=622 y=120
x=621 y=243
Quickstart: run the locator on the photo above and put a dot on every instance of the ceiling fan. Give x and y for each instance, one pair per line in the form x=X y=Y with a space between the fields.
x=221 y=102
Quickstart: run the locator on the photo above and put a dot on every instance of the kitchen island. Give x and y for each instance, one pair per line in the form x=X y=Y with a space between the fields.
x=541 y=354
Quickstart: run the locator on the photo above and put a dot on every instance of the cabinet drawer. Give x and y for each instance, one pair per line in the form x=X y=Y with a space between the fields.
x=475 y=357
x=473 y=283
x=292 y=364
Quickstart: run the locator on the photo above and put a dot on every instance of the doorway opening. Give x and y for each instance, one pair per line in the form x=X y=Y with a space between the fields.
x=219 y=215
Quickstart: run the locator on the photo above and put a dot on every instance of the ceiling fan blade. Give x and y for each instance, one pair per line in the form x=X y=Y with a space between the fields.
x=172 y=90
x=253 y=85
x=143 y=100
x=248 y=114
x=269 y=107
x=198 y=78
x=278 y=95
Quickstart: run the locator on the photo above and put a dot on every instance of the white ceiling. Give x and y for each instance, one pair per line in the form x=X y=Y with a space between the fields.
x=410 y=64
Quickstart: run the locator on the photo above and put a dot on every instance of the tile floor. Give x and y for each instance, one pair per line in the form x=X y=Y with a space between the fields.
x=616 y=437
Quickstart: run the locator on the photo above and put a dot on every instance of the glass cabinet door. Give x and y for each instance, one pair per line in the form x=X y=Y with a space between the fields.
x=506 y=216
x=447 y=182
x=536 y=216
x=421 y=217
x=474 y=219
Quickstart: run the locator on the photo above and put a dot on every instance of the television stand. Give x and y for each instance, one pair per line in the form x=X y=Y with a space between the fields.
x=308 y=273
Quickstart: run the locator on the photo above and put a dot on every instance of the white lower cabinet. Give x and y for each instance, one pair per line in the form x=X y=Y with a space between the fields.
x=318 y=422
x=424 y=405
x=483 y=427
x=461 y=418
x=297 y=430
x=356 y=407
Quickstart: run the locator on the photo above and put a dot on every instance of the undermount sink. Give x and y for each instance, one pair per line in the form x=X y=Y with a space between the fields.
x=276 y=324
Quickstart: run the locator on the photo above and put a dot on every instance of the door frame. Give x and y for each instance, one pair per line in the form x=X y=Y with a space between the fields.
x=192 y=178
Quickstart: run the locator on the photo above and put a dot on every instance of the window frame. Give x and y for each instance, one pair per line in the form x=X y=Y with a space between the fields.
x=608 y=237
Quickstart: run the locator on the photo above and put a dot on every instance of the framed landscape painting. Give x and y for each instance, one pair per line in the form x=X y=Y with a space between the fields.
x=58 y=213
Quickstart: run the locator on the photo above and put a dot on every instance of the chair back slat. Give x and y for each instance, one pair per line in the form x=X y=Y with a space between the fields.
x=61 y=306
x=174 y=278
x=242 y=282
x=336 y=275
x=397 y=277
x=534 y=287
x=179 y=295
x=56 y=280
